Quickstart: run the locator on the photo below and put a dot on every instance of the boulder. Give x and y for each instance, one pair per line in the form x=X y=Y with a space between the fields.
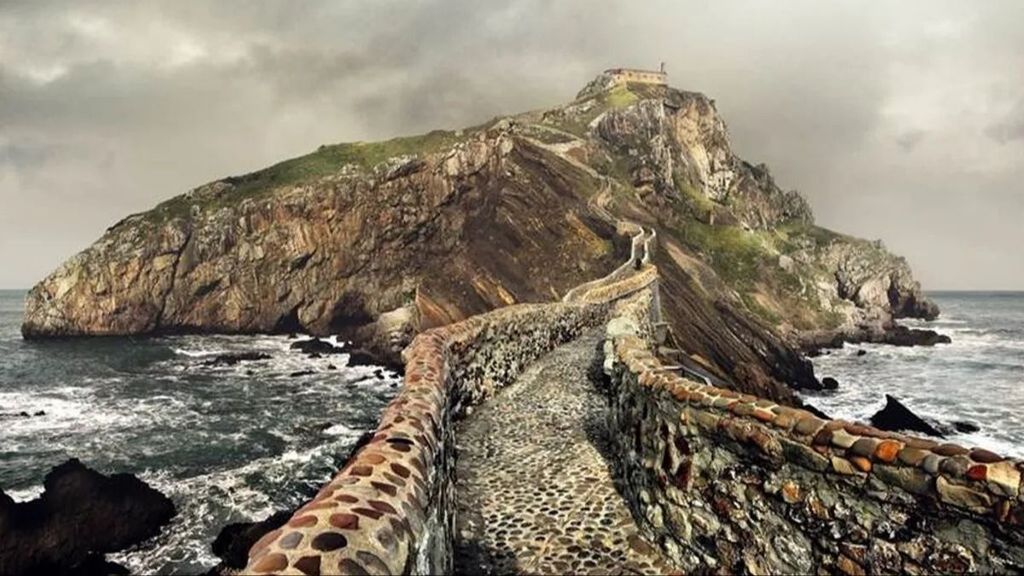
x=829 y=383
x=80 y=515
x=896 y=417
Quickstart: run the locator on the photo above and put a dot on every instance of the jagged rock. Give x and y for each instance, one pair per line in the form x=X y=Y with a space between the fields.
x=829 y=383
x=896 y=417
x=861 y=352
x=233 y=359
x=81 y=514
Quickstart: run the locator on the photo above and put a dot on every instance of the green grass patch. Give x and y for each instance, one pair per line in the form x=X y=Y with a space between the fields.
x=326 y=160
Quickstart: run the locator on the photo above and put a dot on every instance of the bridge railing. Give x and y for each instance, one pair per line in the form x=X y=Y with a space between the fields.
x=390 y=509
x=727 y=481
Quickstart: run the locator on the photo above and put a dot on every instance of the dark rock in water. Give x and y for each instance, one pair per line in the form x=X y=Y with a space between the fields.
x=903 y=336
x=301 y=373
x=896 y=417
x=292 y=335
x=81 y=515
x=829 y=383
x=965 y=427
x=813 y=352
x=232 y=359
x=861 y=352
x=315 y=346
x=315 y=355
x=234 y=541
x=362 y=358
x=813 y=410
x=332 y=367
x=24 y=414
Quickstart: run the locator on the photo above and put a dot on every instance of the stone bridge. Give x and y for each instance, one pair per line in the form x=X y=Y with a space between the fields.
x=595 y=457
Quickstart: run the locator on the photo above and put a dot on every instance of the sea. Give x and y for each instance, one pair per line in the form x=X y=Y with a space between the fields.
x=225 y=443
x=978 y=378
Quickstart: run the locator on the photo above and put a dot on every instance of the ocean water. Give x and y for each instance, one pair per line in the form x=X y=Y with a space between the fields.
x=226 y=443
x=979 y=377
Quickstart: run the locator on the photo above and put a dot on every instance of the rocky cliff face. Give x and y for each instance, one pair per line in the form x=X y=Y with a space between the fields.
x=378 y=241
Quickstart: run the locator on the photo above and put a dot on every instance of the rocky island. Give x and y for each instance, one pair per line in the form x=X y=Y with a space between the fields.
x=377 y=242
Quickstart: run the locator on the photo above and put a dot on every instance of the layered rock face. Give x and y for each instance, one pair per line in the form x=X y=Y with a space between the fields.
x=379 y=241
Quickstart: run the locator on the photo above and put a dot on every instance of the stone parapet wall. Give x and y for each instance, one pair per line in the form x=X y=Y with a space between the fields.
x=730 y=482
x=636 y=253
x=390 y=509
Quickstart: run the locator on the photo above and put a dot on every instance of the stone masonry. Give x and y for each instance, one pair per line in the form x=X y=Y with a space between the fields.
x=729 y=482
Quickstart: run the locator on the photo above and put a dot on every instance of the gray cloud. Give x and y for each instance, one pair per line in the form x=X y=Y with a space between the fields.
x=902 y=122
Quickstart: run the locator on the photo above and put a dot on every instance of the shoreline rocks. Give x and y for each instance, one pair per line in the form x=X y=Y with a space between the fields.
x=817 y=343
x=80 y=515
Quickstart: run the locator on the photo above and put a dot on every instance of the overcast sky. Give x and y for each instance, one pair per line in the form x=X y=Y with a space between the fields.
x=898 y=120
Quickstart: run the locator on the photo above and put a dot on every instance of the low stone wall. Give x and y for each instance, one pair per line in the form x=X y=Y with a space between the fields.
x=637 y=253
x=390 y=509
x=728 y=482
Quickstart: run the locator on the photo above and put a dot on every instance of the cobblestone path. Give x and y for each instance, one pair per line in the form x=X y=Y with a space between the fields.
x=534 y=490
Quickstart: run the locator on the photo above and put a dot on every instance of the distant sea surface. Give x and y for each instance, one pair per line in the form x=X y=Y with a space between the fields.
x=978 y=378
x=225 y=443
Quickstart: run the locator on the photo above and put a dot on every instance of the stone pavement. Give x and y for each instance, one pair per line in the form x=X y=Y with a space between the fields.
x=534 y=490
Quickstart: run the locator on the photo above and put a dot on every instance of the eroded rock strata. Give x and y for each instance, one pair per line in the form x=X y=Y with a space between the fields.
x=378 y=241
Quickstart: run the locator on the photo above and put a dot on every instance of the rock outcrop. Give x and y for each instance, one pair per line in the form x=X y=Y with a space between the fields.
x=376 y=242
x=80 y=515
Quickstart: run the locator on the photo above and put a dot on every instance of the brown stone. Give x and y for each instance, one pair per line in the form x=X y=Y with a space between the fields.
x=861 y=463
x=822 y=438
x=784 y=421
x=808 y=426
x=912 y=456
x=360 y=470
x=302 y=521
x=345 y=521
x=271 y=563
x=950 y=450
x=887 y=451
x=847 y=566
x=308 y=565
x=985 y=456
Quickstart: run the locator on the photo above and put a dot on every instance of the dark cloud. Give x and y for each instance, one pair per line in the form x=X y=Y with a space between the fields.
x=900 y=120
